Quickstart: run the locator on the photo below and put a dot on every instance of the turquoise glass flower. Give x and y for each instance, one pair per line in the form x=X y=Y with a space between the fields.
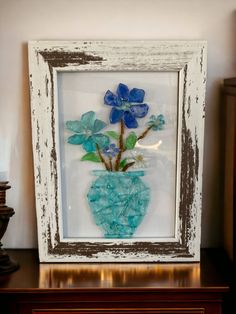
x=156 y=122
x=87 y=132
x=127 y=105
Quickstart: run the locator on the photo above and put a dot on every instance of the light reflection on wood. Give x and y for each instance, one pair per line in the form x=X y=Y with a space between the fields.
x=119 y=275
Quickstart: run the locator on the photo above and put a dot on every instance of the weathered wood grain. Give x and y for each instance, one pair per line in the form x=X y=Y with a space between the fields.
x=188 y=58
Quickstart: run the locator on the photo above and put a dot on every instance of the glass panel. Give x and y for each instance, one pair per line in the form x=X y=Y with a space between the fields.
x=154 y=154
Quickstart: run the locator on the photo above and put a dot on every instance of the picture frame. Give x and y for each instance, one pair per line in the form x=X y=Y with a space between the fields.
x=64 y=74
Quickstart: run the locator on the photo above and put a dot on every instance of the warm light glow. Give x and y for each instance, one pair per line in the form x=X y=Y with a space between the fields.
x=110 y=275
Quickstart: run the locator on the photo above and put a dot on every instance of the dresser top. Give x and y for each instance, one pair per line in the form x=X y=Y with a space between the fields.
x=150 y=276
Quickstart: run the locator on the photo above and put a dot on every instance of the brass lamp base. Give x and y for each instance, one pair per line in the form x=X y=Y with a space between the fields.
x=6 y=264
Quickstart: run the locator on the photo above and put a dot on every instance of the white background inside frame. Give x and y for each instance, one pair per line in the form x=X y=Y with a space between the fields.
x=80 y=92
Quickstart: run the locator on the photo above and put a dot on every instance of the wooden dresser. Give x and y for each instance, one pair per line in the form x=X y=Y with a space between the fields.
x=228 y=157
x=228 y=149
x=193 y=288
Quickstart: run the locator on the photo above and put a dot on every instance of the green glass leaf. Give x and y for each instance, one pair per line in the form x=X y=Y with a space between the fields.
x=75 y=126
x=98 y=125
x=91 y=157
x=131 y=140
x=123 y=163
x=76 y=139
x=101 y=139
x=113 y=134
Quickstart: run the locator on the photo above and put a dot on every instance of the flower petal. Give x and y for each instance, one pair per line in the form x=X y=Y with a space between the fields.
x=98 y=125
x=152 y=118
x=76 y=139
x=130 y=120
x=139 y=111
x=87 y=120
x=136 y=95
x=89 y=145
x=75 y=126
x=111 y=99
x=101 y=139
x=123 y=92
x=161 y=118
x=116 y=115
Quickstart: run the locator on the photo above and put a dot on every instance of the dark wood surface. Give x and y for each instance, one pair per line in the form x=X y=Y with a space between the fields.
x=33 y=275
x=124 y=288
x=230 y=81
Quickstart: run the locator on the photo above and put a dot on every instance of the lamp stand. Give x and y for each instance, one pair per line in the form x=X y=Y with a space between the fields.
x=7 y=265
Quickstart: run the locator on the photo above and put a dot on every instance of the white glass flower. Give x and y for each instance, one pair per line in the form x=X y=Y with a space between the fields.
x=137 y=156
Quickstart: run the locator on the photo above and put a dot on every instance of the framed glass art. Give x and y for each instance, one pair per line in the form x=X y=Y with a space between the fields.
x=117 y=130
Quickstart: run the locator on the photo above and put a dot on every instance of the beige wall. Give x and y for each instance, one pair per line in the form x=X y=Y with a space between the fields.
x=23 y=20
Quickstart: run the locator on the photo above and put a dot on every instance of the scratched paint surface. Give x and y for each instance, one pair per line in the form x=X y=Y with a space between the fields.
x=189 y=59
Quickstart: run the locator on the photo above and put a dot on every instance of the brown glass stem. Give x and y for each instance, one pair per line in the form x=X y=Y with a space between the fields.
x=121 y=145
x=102 y=158
x=127 y=166
x=110 y=163
x=144 y=133
x=123 y=149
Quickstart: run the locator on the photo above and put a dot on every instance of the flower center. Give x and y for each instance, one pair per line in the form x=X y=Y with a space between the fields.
x=88 y=132
x=139 y=158
x=125 y=105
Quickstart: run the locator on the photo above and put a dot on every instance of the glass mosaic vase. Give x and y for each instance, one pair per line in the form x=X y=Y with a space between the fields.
x=118 y=201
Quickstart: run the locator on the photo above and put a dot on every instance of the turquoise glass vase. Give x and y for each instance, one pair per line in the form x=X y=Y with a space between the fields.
x=118 y=201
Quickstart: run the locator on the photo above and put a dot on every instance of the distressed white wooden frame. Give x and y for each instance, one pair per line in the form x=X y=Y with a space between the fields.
x=188 y=58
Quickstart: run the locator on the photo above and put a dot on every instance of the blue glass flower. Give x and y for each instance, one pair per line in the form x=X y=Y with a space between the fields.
x=127 y=105
x=111 y=150
x=156 y=122
x=87 y=132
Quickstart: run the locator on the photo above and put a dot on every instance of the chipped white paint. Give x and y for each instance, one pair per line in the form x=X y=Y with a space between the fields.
x=188 y=58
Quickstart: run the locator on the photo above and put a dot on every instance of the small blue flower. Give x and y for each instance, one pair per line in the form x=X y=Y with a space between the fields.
x=87 y=132
x=156 y=122
x=127 y=105
x=111 y=150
